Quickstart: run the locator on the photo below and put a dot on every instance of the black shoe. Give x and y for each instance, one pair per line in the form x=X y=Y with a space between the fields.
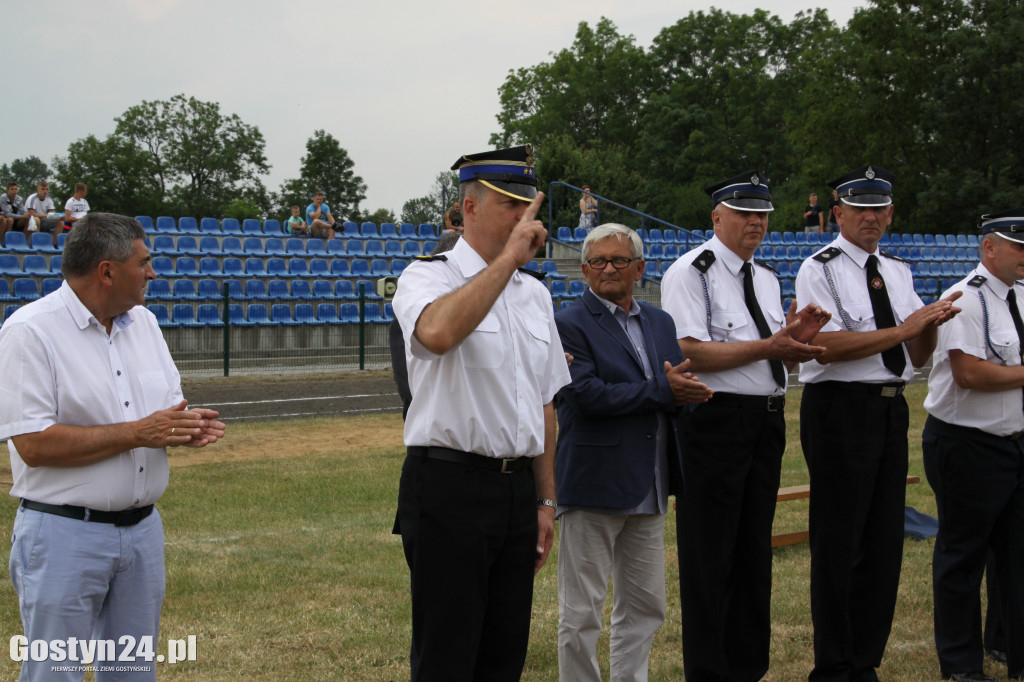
x=971 y=677
x=996 y=655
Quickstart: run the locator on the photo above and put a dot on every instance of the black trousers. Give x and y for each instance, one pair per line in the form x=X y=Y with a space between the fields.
x=855 y=446
x=978 y=481
x=732 y=457
x=470 y=538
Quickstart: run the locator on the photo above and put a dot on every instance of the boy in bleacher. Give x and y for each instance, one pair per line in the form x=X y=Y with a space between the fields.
x=296 y=225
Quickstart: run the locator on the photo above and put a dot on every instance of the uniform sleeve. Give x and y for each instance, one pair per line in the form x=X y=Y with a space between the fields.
x=682 y=297
x=812 y=287
x=420 y=285
x=558 y=369
x=966 y=331
x=28 y=401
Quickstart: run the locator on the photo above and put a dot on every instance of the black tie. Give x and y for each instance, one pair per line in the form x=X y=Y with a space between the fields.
x=893 y=358
x=778 y=371
x=1011 y=300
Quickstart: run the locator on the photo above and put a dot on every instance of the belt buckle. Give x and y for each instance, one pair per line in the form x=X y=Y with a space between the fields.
x=506 y=465
x=773 y=403
x=890 y=391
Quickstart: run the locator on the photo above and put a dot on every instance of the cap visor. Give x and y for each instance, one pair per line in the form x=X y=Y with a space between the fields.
x=745 y=204
x=868 y=200
x=516 y=190
x=1011 y=236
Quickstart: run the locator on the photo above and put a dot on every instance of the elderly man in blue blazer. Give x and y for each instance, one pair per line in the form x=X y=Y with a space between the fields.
x=618 y=460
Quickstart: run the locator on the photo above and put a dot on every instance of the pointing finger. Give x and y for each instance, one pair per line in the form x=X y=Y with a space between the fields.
x=531 y=210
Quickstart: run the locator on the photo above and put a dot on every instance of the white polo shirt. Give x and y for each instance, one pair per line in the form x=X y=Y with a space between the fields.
x=58 y=366
x=77 y=207
x=997 y=412
x=840 y=286
x=487 y=394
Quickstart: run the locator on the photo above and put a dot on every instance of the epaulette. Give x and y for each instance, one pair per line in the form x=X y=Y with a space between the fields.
x=765 y=264
x=704 y=260
x=894 y=257
x=977 y=281
x=426 y=259
x=533 y=273
x=828 y=254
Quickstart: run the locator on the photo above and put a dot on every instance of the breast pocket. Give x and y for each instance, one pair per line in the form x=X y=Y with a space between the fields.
x=483 y=348
x=862 y=317
x=725 y=323
x=156 y=393
x=776 y=320
x=1005 y=345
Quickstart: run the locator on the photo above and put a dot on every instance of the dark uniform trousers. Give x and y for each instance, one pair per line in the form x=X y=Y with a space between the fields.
x=470 y=539
x=855 y=446
x=732 y=457
x=978 y=479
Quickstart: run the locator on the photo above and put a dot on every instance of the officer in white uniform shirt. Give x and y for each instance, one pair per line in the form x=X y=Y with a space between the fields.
x=729 y=322
x=90 y=401
x=974 y=453
x=853 y=425
x=476 y=498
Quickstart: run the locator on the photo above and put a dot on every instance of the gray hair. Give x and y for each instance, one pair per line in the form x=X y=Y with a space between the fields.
x=607 y=231
x=472 y=188
x=446 y=243
x=97 y=237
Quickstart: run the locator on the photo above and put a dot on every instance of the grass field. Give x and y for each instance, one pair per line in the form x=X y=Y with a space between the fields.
x=280 y=560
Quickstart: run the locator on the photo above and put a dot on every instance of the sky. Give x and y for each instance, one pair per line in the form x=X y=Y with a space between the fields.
x=405 y=86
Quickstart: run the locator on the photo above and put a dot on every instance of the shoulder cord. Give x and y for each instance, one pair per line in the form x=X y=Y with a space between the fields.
x=984 y=318
x=835 y=296
x=707 y=303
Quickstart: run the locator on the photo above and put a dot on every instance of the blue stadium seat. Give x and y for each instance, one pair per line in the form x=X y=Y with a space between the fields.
x=209 y=226
x=188 y=246
x=671 y=251
x=322 y=289
x=234 y=267
x=355 y=247
x=163 y=245
x=349 y=230
x=407 y=231
x=236 y=316
x=50 y=285
x=670 y=236
x=654 y=236
x=9 y=265
x=188 y=225
x=256 y=313
x=915 y=253
x=787 y=287
x=918 y=239
x=159 y=311
x=158 y=290
x=301 y=290
x=210 y=267
x=775 y=238
x=388 y=231
x=374 y=248
x=785 y=269
x=380 y=267
x=146 y=222
x=162 y=266
x=271 y=228
x=231 y=226
x=295 y=247
x=254 y=267
x=940 y=240
x=274 y=246
x=655 y=251
x=972 y=255
x=315 y=248
x=344 y=289
x=277 y=290
x=304 y=314
x=550 y=268
x=231 y=246
x=579 y=234
x=185 y=290
x=211 y=246
x=340 y=268
x=427 y=231
x=336 y=248
x=277 y=267
x=55 y=265
x=931 y=286
x=576 y=288
x=348 y=313
x=959 y=253
x=411 y=249
x=814 y=238
x=929 y=240
x=788 y=238
x=35 y=265
x=393 y=248
x=800 y=238
x=281 y=313
x=186 y=266
x=428 y=247
x=184 y=315
x=558 y=288
x=398 y=266
x=959 y=269
x=651 y=270
x=319 y=267
x=165 y=224
x=369 y=231
x=42 y=242
x=209 y=290
x=208 y=315
x=327 y=313
x=16 y=241
x=297 y=267
x=563 y=234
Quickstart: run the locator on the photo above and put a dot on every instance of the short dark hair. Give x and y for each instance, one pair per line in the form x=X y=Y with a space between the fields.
x=97 y=237
x=11 y=184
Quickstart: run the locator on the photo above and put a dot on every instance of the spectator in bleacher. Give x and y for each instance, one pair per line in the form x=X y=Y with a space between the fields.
x=974 y=455
x=319 y=219
x=814 y=216
x=91 y=402
x=75 y=208
x=296 y=225
x=453 y=219
x=12 y=211
x=588 y=209
x=618 y=460
x=38 y=206
x=832 y=225
x=853 y=425
x=731 y=325
x=476 y=497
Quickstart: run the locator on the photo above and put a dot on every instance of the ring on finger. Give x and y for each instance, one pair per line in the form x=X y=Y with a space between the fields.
x=172 y=430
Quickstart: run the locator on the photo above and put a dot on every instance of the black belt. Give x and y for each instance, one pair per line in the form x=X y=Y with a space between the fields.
x=127 y=517
x=971 y=430
x=502 y=465
x=889 y=390
x=771 y=403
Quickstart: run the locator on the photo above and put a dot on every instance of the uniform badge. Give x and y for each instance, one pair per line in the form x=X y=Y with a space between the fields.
x=869 y=173
x=877 y=283
x=754 y=180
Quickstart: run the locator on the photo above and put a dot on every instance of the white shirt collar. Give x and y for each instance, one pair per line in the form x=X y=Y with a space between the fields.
x=729 y=258
x=81 y=315
x=859 y=255
x=997 y=285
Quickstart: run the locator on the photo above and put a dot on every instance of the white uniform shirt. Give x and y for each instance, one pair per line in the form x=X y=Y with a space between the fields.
x=77 y=207
x=848 y=272
x=685 y=298
x=58 y=366
x=34 y=203
x=997 y=412
x=487 y=394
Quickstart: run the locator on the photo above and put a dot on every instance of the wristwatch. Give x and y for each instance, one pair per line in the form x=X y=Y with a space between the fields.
x=544 y=502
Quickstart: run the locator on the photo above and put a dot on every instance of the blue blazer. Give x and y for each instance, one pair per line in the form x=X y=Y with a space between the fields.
x=607 y=416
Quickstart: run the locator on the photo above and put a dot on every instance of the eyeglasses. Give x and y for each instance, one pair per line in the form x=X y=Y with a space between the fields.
x=619 y=262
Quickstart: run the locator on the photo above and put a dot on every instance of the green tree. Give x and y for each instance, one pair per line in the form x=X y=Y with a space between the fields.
x=381 y=215
x=26 y=172
x=115 y=171
x=326 y=167
x=242 y=209
x=432 y=207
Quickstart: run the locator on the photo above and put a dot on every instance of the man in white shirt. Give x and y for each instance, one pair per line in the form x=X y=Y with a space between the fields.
x=90 y=401
x=974 y=453
x=853 y=426
x=76 y=207
x=39 y=206
x=476 y=499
